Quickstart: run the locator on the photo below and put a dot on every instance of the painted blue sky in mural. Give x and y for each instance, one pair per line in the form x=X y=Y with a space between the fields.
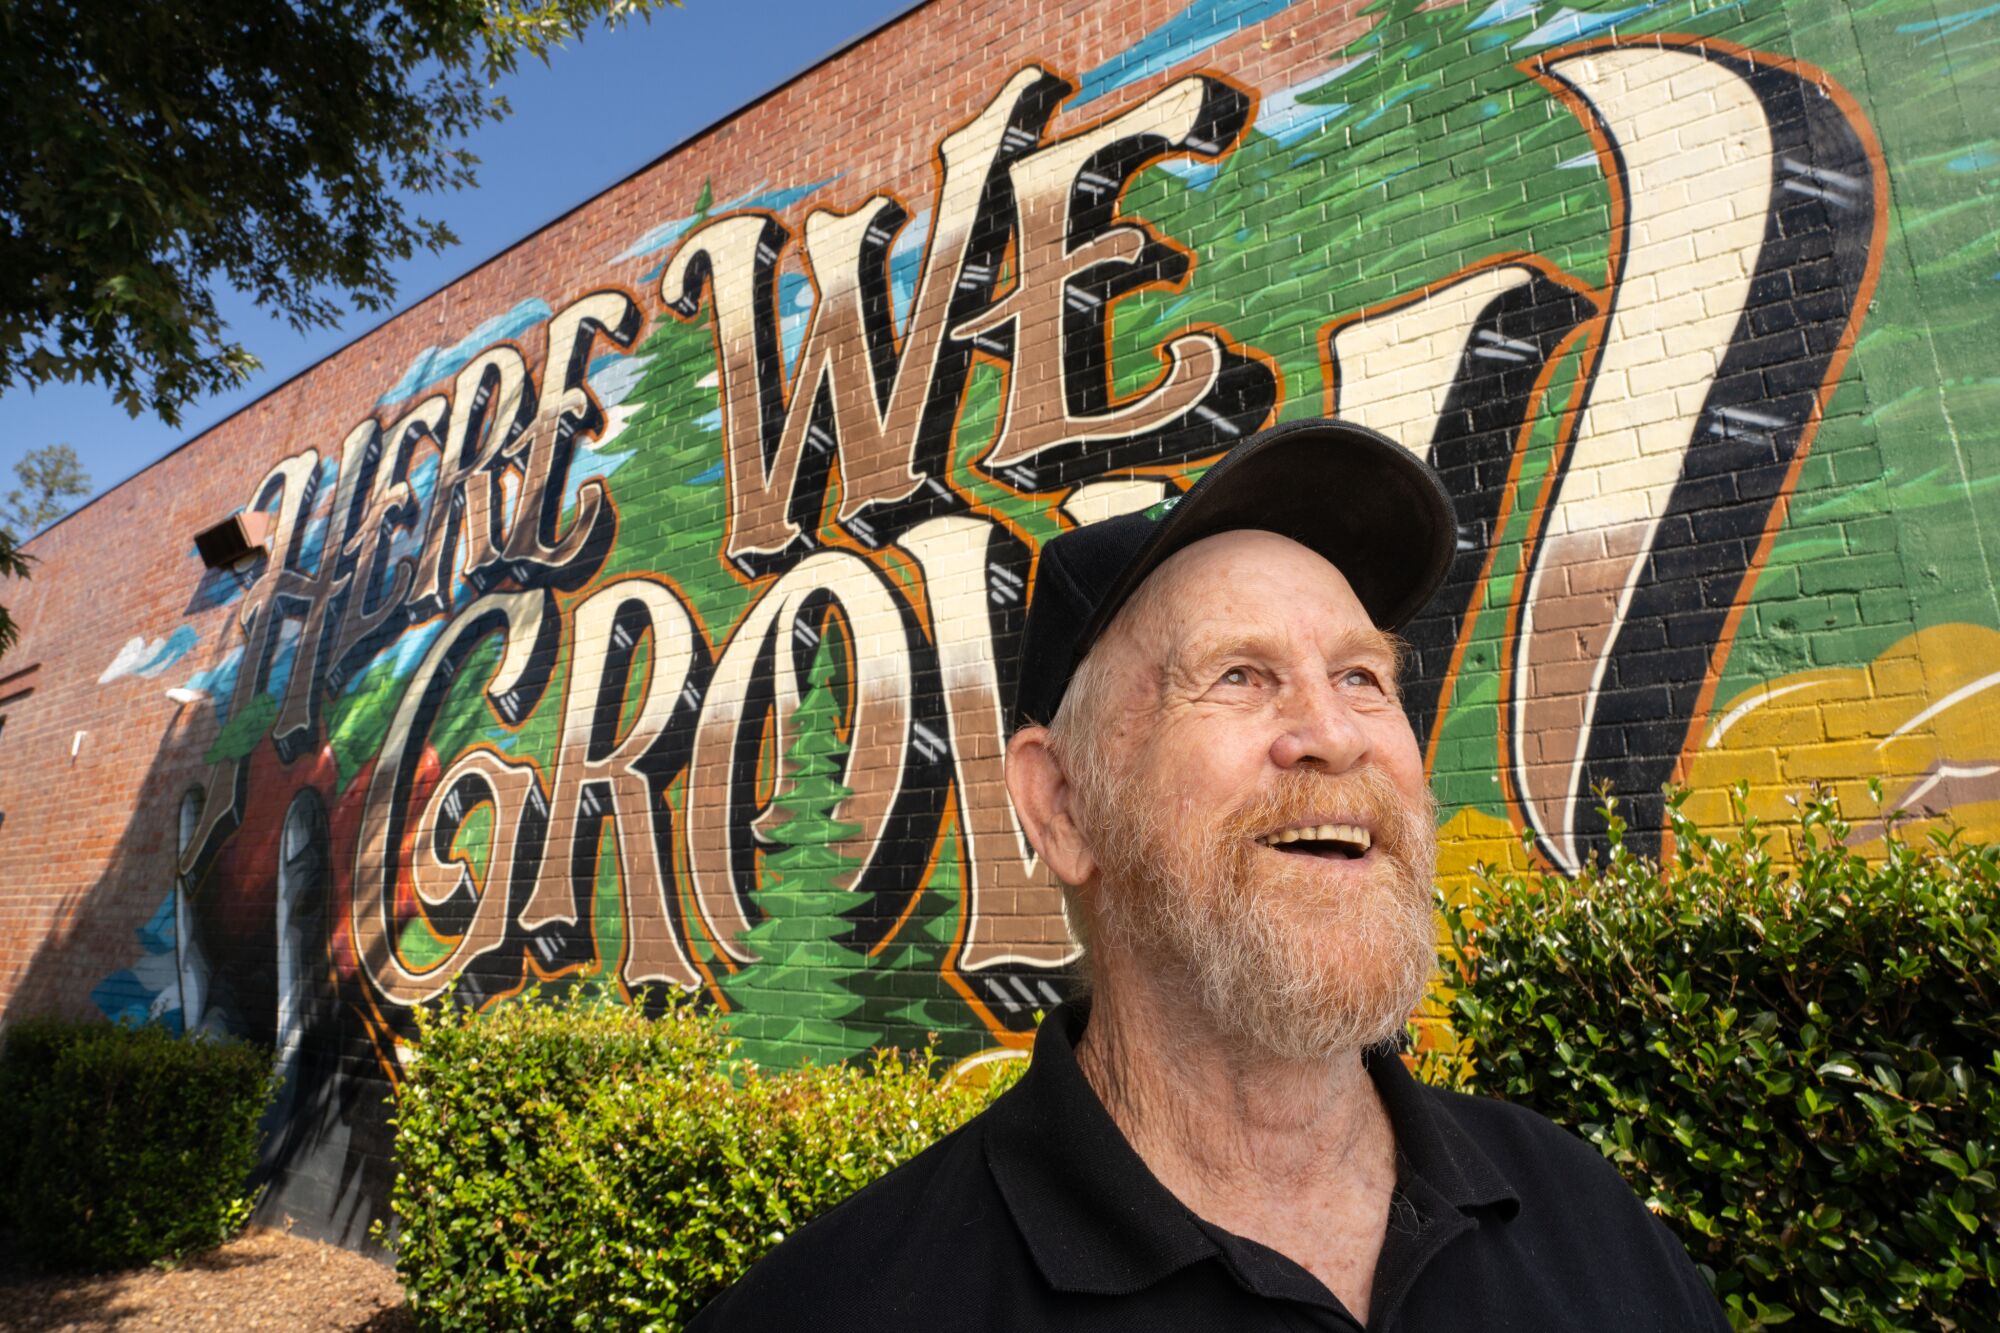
x=1201 y=25
x=438 y=363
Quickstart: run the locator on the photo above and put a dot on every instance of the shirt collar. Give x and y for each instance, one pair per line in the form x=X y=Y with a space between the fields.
x=1432 y=1146
x=1096 y=1219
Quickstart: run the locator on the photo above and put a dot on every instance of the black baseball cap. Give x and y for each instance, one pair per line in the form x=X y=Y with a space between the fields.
x=1376 y=511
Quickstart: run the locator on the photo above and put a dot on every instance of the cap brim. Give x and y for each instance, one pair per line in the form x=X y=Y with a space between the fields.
x=1376 y=511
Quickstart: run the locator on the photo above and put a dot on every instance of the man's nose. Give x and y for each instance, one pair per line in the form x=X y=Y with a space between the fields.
x=1318 y=730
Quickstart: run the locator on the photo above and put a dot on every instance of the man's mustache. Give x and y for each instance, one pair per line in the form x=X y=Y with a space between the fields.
x=1362 y=796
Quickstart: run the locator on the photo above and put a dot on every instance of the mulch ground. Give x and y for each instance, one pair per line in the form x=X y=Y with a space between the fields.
x=262 y=1280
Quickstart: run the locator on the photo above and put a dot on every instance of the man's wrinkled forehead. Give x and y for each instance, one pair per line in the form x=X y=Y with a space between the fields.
x=1247 y=561
x=1157 y=627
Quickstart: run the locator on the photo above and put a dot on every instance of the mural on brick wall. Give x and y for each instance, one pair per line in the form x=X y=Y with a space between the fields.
x=659 y=632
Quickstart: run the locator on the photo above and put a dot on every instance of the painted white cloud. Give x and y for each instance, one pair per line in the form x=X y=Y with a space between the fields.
x=143 y=657
x=1285 y=118
x=614 y=384
x=1503 y=11
x=1570 y=25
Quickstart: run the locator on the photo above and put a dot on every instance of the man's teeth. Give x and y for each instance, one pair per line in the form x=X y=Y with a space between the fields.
x=1346 y=833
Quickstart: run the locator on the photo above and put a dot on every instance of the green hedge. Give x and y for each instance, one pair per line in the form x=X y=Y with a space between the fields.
x=126 y=1145
x=1799 y=1069
x=579 y=1165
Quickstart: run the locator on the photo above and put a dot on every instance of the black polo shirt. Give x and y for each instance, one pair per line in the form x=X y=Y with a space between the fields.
x=1037 y=1214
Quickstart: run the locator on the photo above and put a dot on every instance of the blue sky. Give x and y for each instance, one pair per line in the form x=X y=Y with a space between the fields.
x=662 y=82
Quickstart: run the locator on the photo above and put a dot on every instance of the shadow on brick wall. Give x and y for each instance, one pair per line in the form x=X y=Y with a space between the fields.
x=241 y=947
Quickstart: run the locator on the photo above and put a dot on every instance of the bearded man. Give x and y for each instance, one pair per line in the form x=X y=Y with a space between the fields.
x=1210 y=753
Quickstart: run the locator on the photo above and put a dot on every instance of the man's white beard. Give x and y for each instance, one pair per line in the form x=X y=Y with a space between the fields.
x=1274 y=957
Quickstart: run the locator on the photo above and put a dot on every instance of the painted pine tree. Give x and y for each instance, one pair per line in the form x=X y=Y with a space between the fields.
x=791 y=1003
x=906 y=996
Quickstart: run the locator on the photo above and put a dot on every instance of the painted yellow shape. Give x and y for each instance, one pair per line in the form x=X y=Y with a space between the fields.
x=1923 y=719
x=1469 y=838
x=979 y=1070
x=1466 y=840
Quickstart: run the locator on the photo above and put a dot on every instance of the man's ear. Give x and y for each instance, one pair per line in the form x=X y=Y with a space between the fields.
x=1046 y=804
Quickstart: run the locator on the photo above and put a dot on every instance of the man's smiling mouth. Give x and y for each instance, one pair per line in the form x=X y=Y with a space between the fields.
x=1349 y=841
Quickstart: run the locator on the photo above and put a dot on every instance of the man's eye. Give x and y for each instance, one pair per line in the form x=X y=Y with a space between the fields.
x=1236 y=675
x=1360 y=678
